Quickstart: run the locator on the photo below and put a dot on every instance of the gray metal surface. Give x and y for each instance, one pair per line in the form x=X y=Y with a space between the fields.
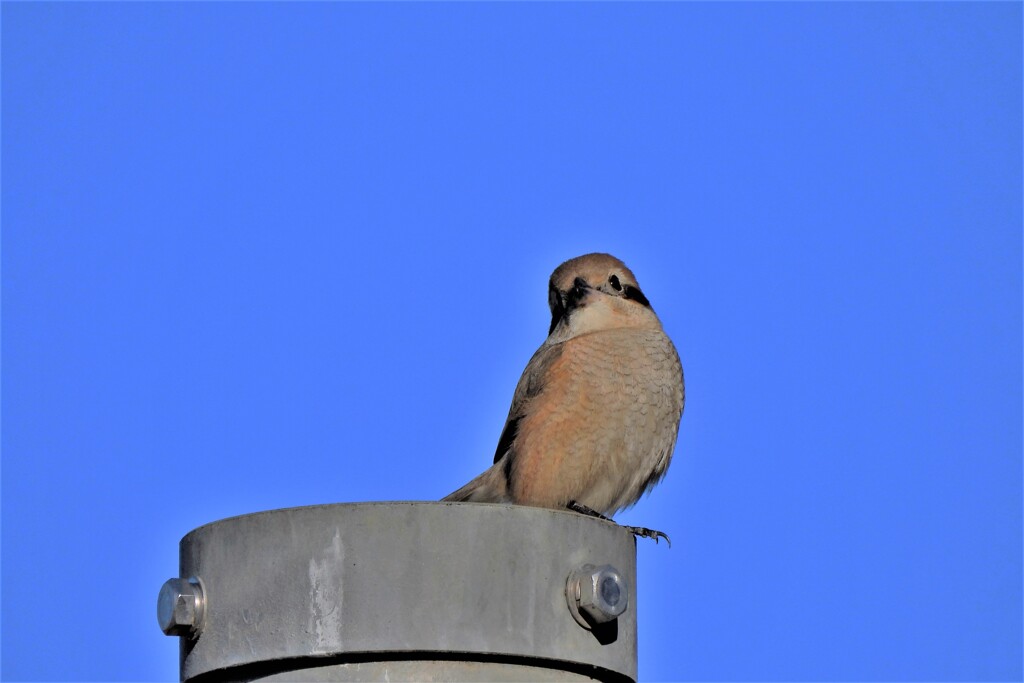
x=405 y=591
x=429 y=671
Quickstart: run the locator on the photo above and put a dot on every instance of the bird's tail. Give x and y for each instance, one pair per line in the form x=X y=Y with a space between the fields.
x=489 y=487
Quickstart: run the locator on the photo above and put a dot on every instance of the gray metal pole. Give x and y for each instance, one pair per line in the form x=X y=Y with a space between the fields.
x=405 y=591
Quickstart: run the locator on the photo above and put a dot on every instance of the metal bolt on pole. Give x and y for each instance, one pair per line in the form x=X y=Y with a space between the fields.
x=596 y=595
x=180 y=607
x=405 y=591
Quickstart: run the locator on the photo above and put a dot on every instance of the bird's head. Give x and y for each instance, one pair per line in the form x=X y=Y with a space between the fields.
x=596 y=292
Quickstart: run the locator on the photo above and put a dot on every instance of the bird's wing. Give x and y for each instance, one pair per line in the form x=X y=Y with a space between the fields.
x=530 y=385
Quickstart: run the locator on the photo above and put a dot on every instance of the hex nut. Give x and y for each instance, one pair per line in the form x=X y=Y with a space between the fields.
x=180 y=607
x=596 y=595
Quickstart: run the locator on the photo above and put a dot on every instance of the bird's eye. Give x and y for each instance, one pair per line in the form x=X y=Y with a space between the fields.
x=614 y=282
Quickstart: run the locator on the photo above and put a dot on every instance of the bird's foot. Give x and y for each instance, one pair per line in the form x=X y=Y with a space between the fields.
x=650 y=533
x=635 y=530
x=584 y=510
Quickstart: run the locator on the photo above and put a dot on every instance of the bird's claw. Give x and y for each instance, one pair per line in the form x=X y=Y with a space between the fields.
x=650 y=533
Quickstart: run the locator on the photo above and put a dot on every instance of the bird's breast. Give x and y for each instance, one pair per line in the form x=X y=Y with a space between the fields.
x=603 y=424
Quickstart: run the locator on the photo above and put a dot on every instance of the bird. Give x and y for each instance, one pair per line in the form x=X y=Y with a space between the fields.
x=595 y=416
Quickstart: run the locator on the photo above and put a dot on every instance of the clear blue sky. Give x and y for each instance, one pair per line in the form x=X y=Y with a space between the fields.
x=263 y=255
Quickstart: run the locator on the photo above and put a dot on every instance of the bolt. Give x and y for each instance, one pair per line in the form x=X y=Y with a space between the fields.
x=180 y=607
x=598 y=594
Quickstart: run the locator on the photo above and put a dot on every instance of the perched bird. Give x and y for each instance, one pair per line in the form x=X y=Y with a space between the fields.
x=595 y=415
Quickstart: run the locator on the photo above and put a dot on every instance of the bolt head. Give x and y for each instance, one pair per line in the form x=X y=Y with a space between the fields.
x=601 y=594
x=179 y=607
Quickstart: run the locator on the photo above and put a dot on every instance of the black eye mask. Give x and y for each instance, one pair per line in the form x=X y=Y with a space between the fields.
x=634 y=294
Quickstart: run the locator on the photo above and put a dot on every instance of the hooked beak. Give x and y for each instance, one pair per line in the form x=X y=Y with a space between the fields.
x=578 y=292
x=573 y=299
x=576 y=295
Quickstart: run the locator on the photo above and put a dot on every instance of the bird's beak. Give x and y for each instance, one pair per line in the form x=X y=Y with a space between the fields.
x=576 y=295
